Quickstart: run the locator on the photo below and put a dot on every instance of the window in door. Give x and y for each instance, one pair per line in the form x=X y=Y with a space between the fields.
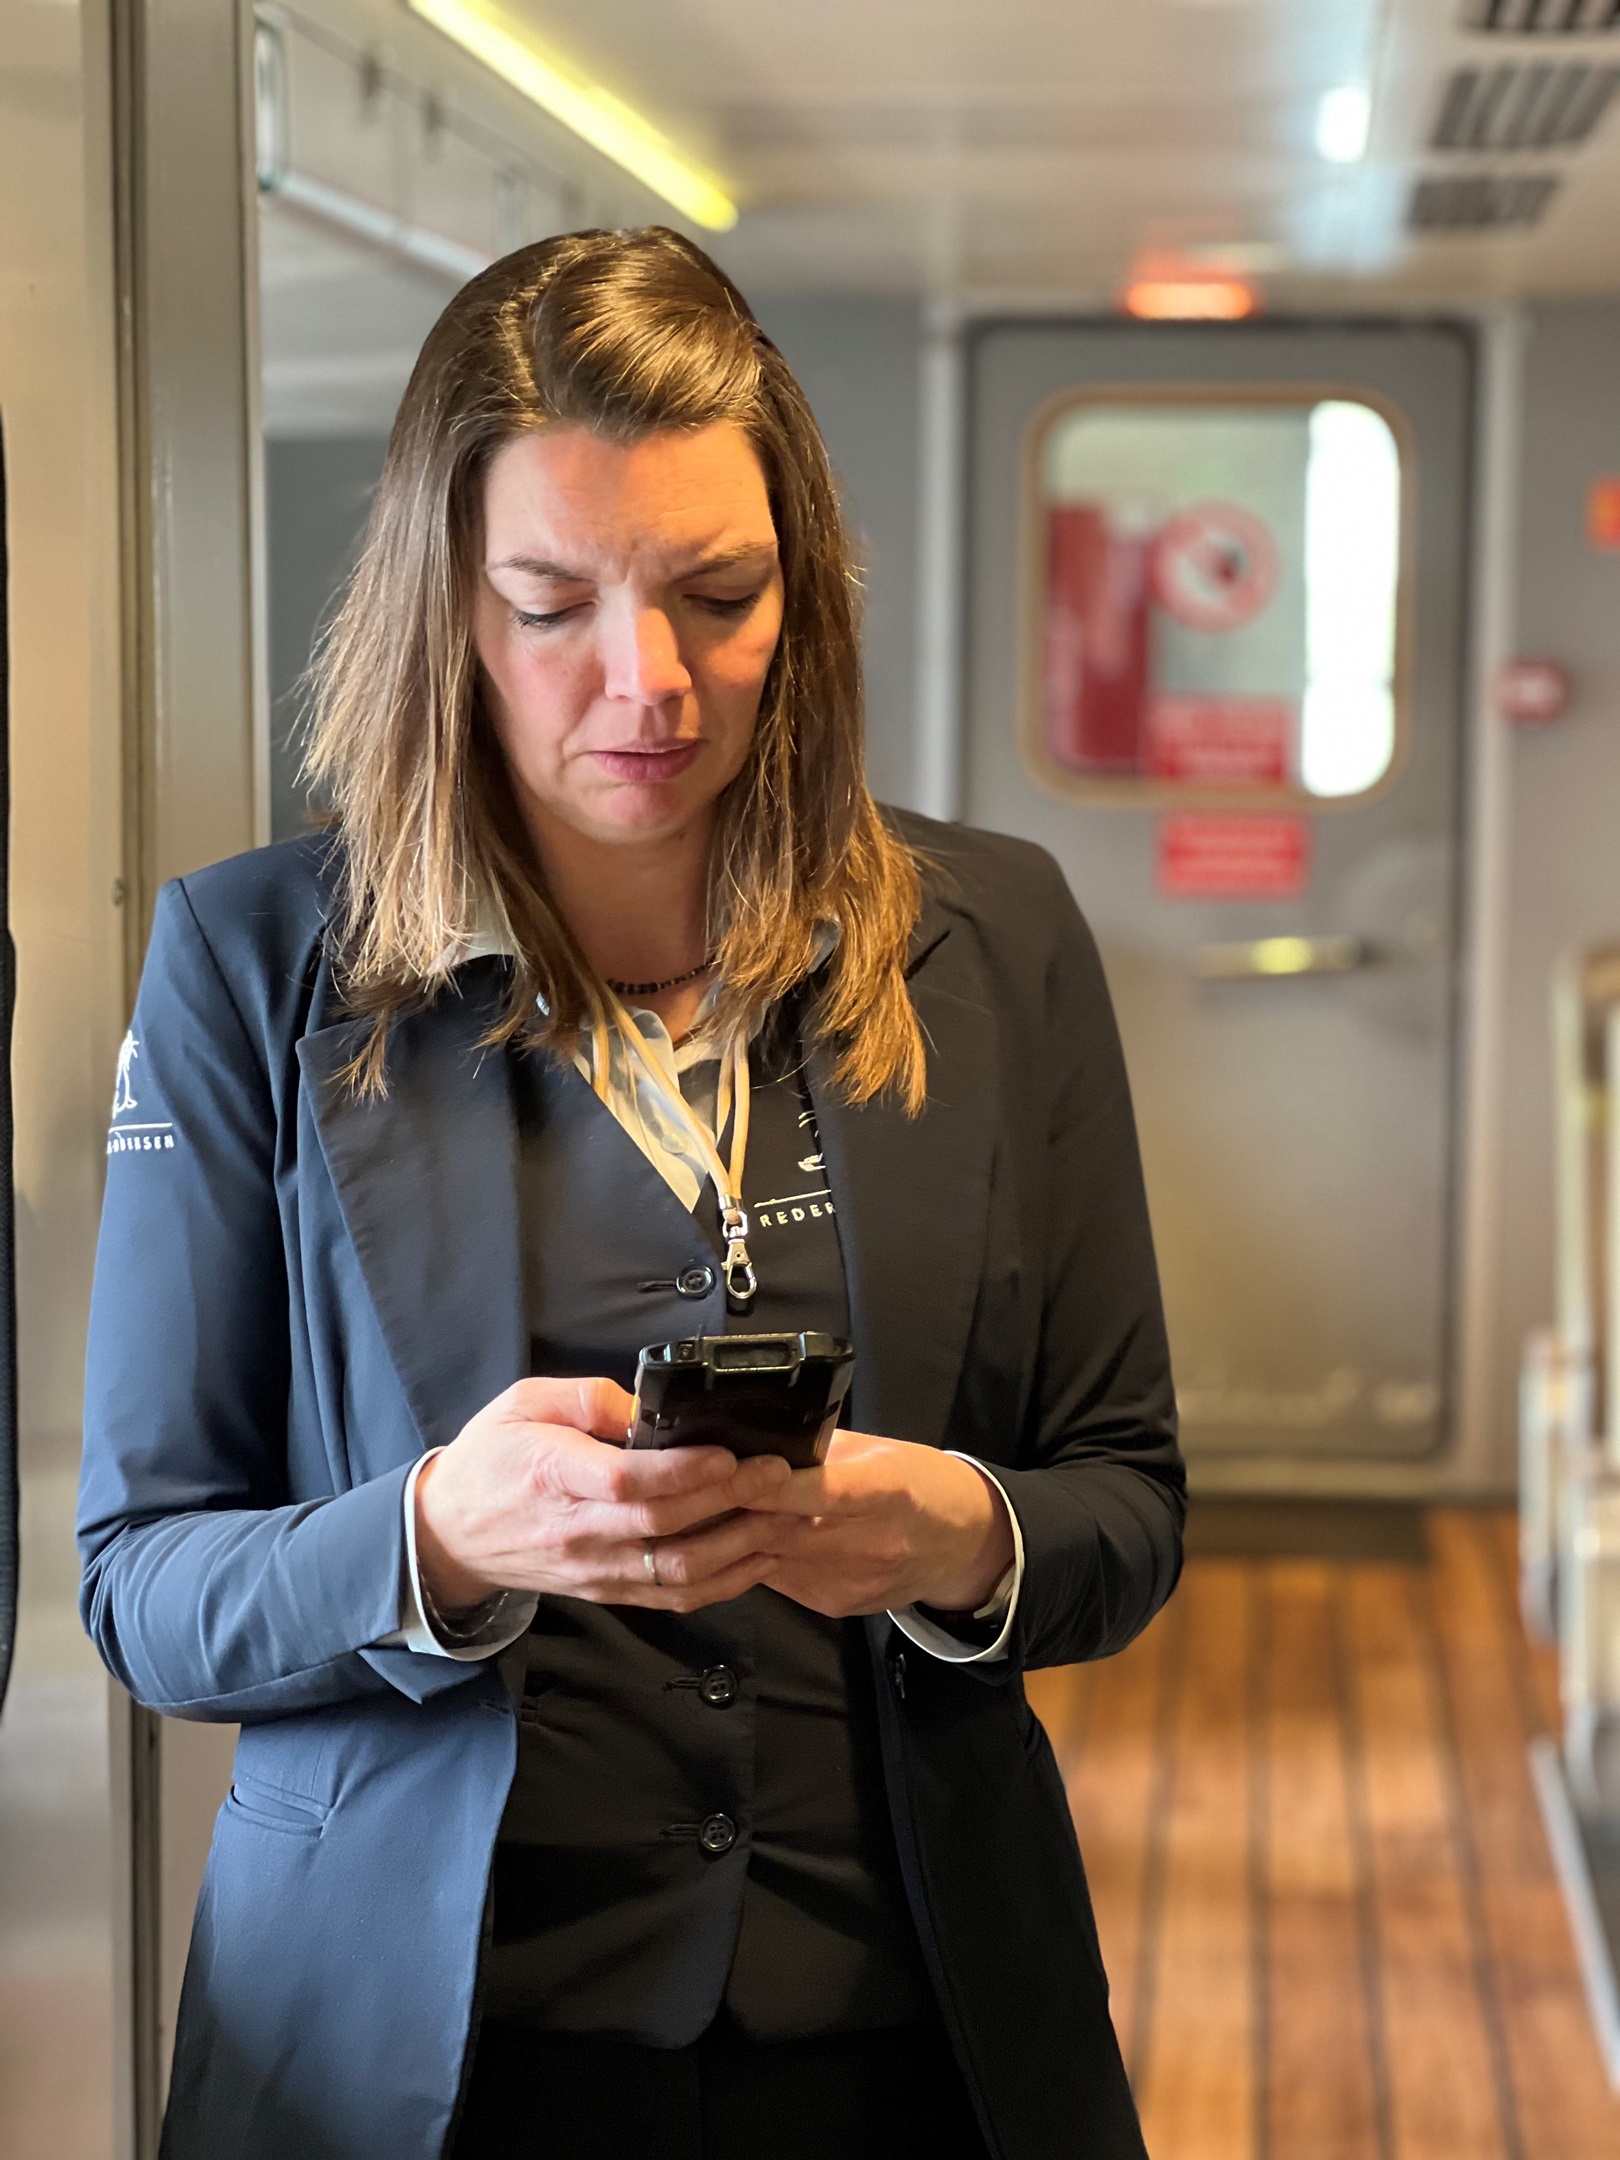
x=1217 y=584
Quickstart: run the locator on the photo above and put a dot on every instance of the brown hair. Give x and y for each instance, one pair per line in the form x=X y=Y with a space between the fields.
x=625 y=334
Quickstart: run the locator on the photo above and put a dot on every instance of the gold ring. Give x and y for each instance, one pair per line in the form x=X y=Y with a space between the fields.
x=649 y=1560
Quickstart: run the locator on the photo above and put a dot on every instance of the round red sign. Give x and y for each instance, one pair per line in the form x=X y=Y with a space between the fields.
x=1534 y=693
x=1214 y=566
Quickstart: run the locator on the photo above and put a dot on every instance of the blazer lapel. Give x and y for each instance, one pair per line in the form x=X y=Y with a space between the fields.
x=427 y=1181
x=913 y=1197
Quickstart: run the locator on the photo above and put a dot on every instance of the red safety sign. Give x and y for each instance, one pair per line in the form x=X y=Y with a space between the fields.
x=1205 y=856
x=1214 y=566
x=1095 y=662
x=1221 y=741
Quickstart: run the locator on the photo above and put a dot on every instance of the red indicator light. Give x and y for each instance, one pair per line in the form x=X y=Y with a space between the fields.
x=1190 y=299
x=1603 y=512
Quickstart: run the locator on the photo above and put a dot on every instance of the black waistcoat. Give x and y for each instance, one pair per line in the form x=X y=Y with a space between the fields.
x=698 y=1813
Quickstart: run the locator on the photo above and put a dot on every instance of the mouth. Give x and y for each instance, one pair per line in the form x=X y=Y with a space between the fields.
x=658 y=761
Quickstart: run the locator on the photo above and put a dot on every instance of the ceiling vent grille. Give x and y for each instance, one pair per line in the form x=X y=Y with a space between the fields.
x=1542 y=106
x=1544 y=18
x=1480 y=202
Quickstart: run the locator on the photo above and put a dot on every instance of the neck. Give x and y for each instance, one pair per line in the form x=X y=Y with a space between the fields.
x=638 y=911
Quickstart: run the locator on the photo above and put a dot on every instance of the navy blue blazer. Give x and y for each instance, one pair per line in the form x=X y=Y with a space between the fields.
x=297 y=1292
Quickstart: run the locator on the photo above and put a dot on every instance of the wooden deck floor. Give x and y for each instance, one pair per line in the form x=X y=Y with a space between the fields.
x=1326 y=1903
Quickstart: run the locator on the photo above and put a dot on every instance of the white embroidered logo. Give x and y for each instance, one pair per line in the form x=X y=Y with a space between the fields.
x=797 y=1207
x=817 y=1161
x=156 y=1137
x=123 y=1093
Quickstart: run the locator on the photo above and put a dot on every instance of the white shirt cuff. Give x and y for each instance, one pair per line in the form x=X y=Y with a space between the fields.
x=1001 y=1605
x=482 y=1633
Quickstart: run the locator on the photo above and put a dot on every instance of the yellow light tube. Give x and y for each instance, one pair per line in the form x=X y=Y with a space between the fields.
x=602 y=120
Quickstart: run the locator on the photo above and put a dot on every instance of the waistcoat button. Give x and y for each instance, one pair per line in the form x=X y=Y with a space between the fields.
x=718 y=1834
x=695 y=1281
x=718 y=1687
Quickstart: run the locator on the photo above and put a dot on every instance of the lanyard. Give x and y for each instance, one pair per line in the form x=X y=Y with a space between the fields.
x=731 y=1101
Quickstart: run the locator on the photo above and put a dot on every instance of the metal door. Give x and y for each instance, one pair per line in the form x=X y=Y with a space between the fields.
x=1292 y=1056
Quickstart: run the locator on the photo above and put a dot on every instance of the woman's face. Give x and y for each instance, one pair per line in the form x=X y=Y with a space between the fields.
x=630 y=603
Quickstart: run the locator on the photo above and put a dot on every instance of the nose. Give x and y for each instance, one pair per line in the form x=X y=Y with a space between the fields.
x=642 y=661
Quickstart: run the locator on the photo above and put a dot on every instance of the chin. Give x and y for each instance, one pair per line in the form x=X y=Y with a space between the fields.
x=642 y=814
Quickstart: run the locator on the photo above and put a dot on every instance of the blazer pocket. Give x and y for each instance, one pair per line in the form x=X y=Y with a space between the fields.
x=267 y=1808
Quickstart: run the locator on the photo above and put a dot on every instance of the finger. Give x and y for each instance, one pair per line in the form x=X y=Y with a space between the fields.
x=720 y=1589
x=667 y=1515
x=690 y=1561
x=594 y=1405
x=829 y=1489
x=593 y=1470
x=607 y=1568
x=860 y=1473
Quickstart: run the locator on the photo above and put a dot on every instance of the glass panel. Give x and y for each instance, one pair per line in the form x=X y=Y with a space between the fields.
x=1352 y=578
x=1219 y=597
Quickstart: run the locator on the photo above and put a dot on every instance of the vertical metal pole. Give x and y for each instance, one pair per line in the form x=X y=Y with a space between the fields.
x=136 y=1752
x=1485 y=1453
x=126 y=20
x=136 y=1795
x=252 y=381
x=941 y=564
x=10 y=1483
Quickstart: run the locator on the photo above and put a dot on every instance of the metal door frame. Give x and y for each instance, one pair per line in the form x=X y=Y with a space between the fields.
x=194 y=736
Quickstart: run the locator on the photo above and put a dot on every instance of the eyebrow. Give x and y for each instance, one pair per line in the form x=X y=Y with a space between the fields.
x=725 y=559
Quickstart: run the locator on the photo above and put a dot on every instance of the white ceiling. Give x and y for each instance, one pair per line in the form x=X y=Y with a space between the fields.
x=1020 y=150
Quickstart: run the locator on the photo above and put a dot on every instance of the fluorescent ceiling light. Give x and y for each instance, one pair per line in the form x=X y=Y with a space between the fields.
x=594 y=115
x=1342 y=122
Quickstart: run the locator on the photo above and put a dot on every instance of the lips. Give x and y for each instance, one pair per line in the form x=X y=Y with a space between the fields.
x=657 y=762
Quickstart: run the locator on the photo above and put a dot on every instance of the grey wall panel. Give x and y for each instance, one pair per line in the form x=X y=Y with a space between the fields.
x=857 y=360
x=1564 y=848
x=317 y=497
x=190 y=270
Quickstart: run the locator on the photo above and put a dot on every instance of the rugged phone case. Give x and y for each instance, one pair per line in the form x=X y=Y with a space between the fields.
x=754 y=1394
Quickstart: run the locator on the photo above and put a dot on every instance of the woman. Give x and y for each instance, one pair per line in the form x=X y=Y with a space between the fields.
x=592 y=1801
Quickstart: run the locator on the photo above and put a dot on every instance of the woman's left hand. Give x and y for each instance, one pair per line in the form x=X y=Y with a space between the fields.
x=883 y=1524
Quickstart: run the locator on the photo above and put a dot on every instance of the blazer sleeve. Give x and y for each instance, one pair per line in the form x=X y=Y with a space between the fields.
x=207 y=1590
x=1099 y=1488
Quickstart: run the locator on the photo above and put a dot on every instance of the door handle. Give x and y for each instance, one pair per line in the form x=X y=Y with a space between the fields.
x=1279 y=957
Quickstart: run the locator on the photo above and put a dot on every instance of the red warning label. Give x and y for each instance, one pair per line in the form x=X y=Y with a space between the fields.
x=1204 y=857
x=1231 y=741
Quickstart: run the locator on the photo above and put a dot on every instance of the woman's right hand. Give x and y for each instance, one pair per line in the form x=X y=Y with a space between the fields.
x=532 y=1495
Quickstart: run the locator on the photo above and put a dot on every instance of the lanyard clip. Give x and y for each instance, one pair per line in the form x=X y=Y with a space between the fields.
x=741 y=1281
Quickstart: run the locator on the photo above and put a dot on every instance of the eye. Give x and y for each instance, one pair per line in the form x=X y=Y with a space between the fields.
x=739 y=606
x=527 y=621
